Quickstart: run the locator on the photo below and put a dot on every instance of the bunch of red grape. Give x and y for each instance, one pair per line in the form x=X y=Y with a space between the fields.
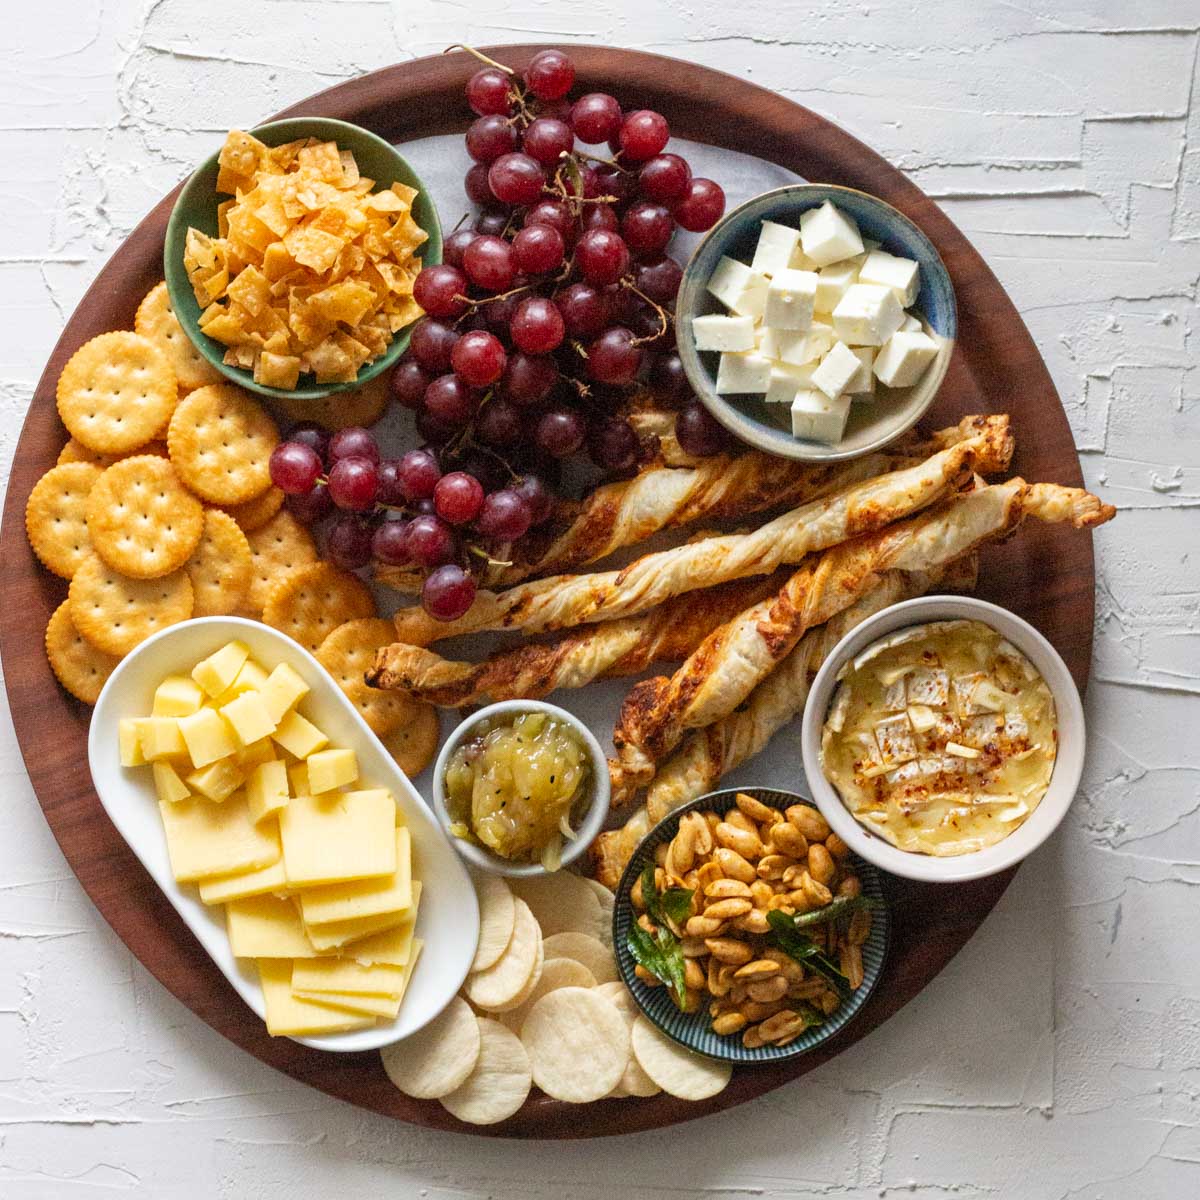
x=540 y=320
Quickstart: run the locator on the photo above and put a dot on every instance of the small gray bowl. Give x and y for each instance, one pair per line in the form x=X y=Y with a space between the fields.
x=872 y=424
x=593 y=821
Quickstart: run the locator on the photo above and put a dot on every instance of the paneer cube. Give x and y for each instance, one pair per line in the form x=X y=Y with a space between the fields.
x=816 y=417
x=797 y=347
x=218 y=671
x=902 y=275
x=791 y=297
x=170 y=788
x=748 y=372
x=832 y=283
x=837 y=369
x=207 y=736
x=282 y=691
x=219 y=780
x=904 y=358
x=786 y=381
x=828 y=235
x=867 y=315
x=329 y=769
x=177 y=696
x=267 y=789
x=249 y=718
x=740 y=289
x=161 y=737
x=776 y=245
x=911 y=324
x=299 y=737
x=715 y=332
x=862 y=383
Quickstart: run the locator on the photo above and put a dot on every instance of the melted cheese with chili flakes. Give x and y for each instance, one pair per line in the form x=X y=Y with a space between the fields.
x=941 y=738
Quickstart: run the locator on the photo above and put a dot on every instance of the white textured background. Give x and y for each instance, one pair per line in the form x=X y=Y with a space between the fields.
x=1059 y=1056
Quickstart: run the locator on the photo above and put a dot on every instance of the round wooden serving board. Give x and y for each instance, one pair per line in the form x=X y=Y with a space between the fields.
x=1045 y=573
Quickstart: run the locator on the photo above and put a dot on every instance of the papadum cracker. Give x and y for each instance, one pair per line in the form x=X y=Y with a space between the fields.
x=497 y=915
x=674 y=1068
x=500 y=1081
x=577 y=1044
x=501 y=985
x=436 y=1060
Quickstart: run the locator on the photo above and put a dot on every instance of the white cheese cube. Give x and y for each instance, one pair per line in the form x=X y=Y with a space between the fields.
x=911 y=324
x=903 y=359
x=870 y=244
x=723 y=333
x=816 y=417
x=738 y=288
x=832 y=282
x=796 y=346
x=902 y=275
x=837 y=368
x=776 y=244
x=862 y=384
x=786 y=381
x=745 y=372
x=790 y=299
x=800 y=261
x=828 y=235
x=867 y=315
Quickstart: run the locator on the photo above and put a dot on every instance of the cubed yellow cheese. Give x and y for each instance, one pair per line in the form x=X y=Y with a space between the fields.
x=216 y=672
x=298 y=778
x=392 y=945
x=207 y=736
x=329 y=769
x=289 y=1016
x=344 y=936
x=249 y=679
x=367 y=1006
x=204 y=838
x=267 y=791
x=218 y=780
x=363 y=897
x=298 y=736
x=346 y=975
x=342 y=835
x=161 y=737
x=129 y=739
x=167 y=783
x=219 y=889
x=266 y=926
x=248 y=718
x=257 y=752
x=283 y=690
x=177 y=696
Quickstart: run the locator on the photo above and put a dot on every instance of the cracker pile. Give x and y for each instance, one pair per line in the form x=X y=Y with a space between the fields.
x=543 y=1005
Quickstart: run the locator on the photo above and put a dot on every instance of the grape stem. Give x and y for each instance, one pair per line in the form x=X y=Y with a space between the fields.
x=664 y=318
x=480 y=552
x=483 y=58
x=608 y=162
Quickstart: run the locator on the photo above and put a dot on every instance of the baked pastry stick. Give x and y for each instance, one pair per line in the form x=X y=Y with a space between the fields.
x=668 y=633
x=562 y=601
x=733 y=660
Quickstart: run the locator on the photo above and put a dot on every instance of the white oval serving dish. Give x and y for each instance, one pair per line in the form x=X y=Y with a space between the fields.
x=448 y=918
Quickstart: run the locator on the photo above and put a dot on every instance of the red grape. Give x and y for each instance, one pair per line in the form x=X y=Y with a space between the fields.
x=613 y=358
x=600 y=216
x=408 y=383
x=643 y=135
x=537 y=326
x=505 y=516
x=613 y=444
x=489 y=137
x=441 y=291
x=538 y=248
x=458 y=497
x=497 y=316
x=493 y=223
x=487 y=468
x=348 y=542
x=294 y=467
x=488 y=262
x=488 y=91
x=664 y=177
x=389 y=544
x=390 y=489
x=659 y=278
x=430 y=541
x=528 y=378
x=308 y=434
x=354 y=442
x=478 y=358
x=612 y=181
x=450 y=400
x=647 y=228
x=585 y=309
x=595 y=118
x=535 y=493
x=668 y=378
x=311 y=507
x=701 y=207
x=499 y=424
x=431 y=344
x=550 y=74
x=447 y=593
x=560 y=432
x=475 y=184
x=354 y=483
x=419 y=474
x=516 y=179
x=548 y=139
x=699 y=432
x=555 y=213
x=602 y=256
x=433 y=429
x=455 y=246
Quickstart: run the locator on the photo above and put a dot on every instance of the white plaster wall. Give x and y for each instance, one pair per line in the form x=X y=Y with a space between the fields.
x=1059 y=1056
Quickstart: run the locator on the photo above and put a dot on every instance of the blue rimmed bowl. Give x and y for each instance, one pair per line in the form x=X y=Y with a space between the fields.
x=872 y=424
x=692 y=1029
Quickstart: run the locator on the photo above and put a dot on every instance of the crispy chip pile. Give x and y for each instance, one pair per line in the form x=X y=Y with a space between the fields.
x=312 y=271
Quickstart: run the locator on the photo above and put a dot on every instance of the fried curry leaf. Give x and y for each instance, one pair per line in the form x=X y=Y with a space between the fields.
x=659 y=953
x=840 y=907
x=803 y=949
x=675 y=903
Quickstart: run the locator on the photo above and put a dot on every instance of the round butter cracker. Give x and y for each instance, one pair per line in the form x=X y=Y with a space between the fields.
x=347 y=654
x=415 y=743
x=254 y=514
x=76 y=663
x=75 y=451
x=276 y=549
x=56 y=516
x=220 y=567
x=156 y=320
x=310 y=602
x=116 y=613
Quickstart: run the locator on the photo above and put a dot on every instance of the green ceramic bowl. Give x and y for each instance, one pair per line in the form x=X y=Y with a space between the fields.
x=197 y=207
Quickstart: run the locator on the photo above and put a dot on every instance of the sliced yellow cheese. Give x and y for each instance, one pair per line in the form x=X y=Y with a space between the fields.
x=216 y=672
x=218 y=780
x=290 y=1016
x=219 y=889
x=266 y=926
x=282 y=690
x=346 y=975
x=248 y=718
x=161 y=737
x=338 y=934
x=363 y=897
x=129 y=739
x=249 y=679
x=204 y=838
x=368 y=1006
x=342 y=835
x=298 y=736
x=329 y=769
x=391 y=945
x=267 y=790
x=167 y=783
x=257 y=752
x=207 y=737
x=177 y=696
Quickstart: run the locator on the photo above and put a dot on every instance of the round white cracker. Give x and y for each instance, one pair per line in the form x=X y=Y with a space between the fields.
x=676 y=1070
x=584 y=948
x=606 y=898
x=635 y=1081
x=556 y=973
x=498 y=1085
x=497 y=913
x=504 y=984
x=436 y=1059
x=563 y=902
x=577 y=1044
